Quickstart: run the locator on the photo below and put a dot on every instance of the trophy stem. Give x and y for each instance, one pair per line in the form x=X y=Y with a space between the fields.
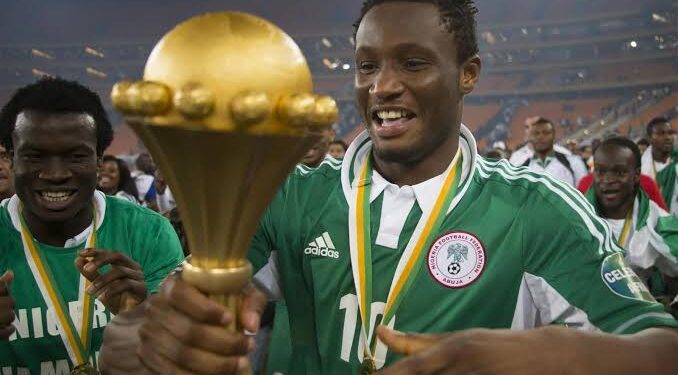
x=222 y=285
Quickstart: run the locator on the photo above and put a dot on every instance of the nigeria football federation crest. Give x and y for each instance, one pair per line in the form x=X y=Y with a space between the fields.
x=456 y=259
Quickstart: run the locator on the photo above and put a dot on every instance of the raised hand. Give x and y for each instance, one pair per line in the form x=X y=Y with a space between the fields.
x=119 y=289
x=184 y=332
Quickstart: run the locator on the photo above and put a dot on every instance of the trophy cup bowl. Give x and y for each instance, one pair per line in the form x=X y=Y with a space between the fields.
x=226 y=109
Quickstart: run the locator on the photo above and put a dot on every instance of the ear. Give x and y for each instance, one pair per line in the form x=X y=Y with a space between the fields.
x=636 y=176
x=470 y=73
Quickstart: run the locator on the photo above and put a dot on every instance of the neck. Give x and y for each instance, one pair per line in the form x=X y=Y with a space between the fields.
x=660 y=156
x=543 y=154
x=412 y=173
x=620 y=212
x=109 y=191
x=56 y=233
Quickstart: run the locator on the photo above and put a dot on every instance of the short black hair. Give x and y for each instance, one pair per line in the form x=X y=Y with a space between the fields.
x=340 y=143
x=654 y=122
x=495 y=154
x=60 y=96
x=126 y=182
x=643 y=141
x=544 y=121
x=457 y=16
x=623 y=142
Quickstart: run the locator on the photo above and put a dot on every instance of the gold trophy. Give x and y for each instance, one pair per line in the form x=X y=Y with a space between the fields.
x=226 y=109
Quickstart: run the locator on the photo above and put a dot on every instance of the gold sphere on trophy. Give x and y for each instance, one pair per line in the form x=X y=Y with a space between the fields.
x=226 y=109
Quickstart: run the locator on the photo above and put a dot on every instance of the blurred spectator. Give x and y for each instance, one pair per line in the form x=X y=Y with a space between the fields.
x=164 y=195
x=571 y=145
x=567 y=168
x=646 y=184
x=525 y=151
x=338 y=149
x=6 y=175
x=643 y=143
x=659 y=160
x=496 y=154
x=143 y=177
x=316 y=154
x=174 y=219
x=585 y=152
x=647 y=232
x=115 y=179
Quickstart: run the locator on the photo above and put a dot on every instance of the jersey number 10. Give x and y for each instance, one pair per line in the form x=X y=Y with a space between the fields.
x=349 y=302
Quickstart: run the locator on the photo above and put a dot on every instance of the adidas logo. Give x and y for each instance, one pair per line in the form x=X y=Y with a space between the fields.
x=322 y=246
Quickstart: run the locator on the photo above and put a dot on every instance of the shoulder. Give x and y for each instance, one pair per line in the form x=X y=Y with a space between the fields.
x=575 y=160
x=124 y=210
x=126 y=196
x=548 y=201
x=330 y=167
x=325 y=175
x=540 y=185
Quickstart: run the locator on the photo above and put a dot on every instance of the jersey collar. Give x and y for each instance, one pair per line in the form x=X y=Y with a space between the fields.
x=99 y=204
x=424 y=191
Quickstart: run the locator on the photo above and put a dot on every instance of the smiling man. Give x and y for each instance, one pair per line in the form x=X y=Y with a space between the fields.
x=416 y=232
x=647 y=232
x=69 y=255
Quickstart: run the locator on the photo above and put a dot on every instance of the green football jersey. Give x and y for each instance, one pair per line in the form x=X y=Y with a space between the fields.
x=517 y=249
x=36 y=347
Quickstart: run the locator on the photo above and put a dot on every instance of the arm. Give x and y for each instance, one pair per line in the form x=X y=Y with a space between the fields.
x=184 y=332
x=575 y=275
x=548 y=350
x=153 y=252
x=179 y=330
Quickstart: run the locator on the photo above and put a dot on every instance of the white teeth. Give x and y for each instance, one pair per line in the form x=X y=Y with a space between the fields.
x=392 y=115
x=56 y=196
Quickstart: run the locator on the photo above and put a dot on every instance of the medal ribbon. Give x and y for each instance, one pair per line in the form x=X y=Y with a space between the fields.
x=626 y=229
x=77 y=342
x=401 y=282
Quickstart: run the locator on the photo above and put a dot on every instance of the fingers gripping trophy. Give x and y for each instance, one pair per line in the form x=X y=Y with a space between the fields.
x=226 y=109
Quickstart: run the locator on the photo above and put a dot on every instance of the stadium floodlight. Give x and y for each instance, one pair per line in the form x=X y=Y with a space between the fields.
x=96 y=72
x=659 y=18
x=43 y=54
x=94 y=52
x=40 y=73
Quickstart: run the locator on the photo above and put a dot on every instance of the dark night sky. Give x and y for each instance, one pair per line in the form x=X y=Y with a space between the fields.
x=25 y=22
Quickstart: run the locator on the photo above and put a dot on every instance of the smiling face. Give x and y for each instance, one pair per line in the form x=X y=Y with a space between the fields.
x=409 y=85
x=55 y=163
x=615 y=177
x=109 y=177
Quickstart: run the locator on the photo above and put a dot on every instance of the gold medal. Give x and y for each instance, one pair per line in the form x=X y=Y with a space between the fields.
x=85 y=369
x=368 y=367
